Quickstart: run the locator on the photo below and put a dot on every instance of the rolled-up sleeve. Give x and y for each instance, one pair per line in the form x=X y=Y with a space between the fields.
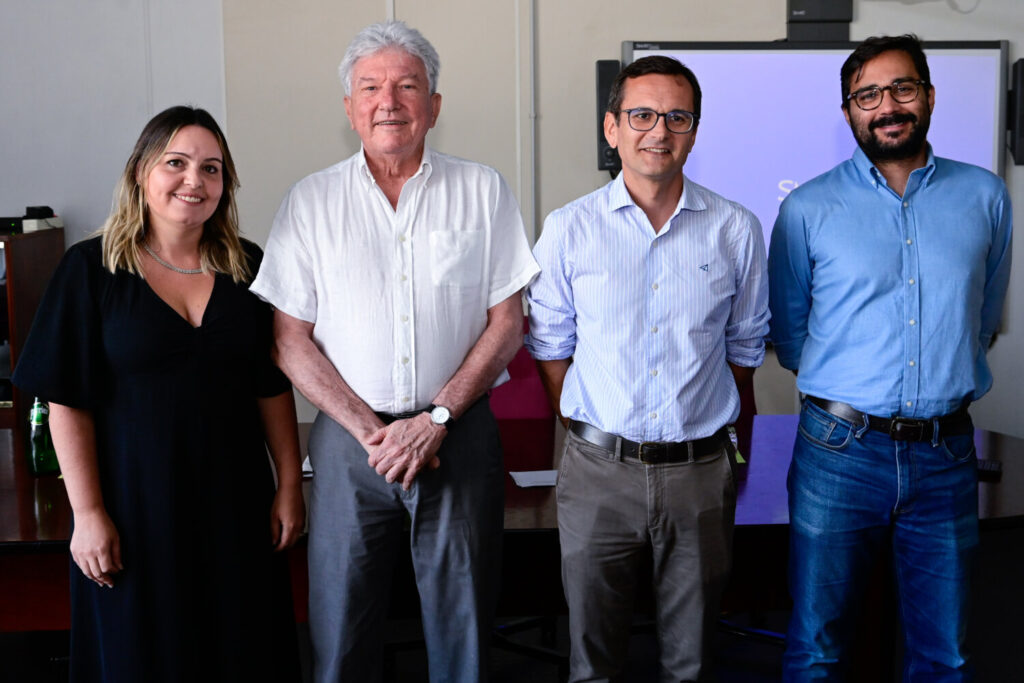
x=748 y=320
x=552 y=334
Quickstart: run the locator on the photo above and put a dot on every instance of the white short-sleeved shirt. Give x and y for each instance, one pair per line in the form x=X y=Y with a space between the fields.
x=397 y=297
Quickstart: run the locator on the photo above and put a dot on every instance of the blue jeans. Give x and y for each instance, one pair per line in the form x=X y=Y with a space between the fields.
x=852 y=492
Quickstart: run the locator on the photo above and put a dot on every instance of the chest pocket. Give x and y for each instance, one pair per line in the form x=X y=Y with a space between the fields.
x=456 y=258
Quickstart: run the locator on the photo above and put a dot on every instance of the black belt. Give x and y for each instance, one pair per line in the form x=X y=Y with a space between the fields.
x=388 y=418
x=652 y=452
x=899 y=428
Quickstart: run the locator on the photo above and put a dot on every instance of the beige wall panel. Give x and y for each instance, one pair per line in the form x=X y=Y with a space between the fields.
x=285 y=113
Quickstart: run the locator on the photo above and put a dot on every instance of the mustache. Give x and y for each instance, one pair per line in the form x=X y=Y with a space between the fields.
x=892 y=120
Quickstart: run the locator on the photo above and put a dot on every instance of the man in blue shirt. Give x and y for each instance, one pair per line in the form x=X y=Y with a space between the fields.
x=887 y=281
x=650 y=309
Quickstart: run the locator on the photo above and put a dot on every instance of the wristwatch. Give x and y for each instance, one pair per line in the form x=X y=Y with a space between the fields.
x=440 y=415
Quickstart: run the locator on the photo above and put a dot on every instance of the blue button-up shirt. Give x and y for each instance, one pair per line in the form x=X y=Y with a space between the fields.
x=889 y=303
x=650 y=319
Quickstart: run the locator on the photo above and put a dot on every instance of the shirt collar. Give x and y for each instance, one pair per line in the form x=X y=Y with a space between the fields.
x=690 y=199
x=875 y=177
x=425 y=169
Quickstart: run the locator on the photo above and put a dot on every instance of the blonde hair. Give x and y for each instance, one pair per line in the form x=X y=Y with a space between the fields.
x=124 y=232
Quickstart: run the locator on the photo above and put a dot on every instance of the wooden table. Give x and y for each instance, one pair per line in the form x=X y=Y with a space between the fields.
x=35 y=525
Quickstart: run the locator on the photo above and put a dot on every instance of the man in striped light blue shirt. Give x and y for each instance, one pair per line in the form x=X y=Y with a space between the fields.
x=887 y=282
x=650 y=308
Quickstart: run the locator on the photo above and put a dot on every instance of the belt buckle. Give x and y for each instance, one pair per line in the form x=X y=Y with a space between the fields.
x=905 y=429
x=654 y=445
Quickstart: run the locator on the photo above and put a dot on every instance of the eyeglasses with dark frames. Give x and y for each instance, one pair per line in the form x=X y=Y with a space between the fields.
x=902 y=90
x=643 y=119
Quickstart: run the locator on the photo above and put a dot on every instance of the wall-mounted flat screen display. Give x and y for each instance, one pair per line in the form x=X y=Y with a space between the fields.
x=771 y=117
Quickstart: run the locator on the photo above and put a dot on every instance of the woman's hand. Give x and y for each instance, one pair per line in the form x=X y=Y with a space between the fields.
x=287 y=516
x=288 y=513
x=96 y=547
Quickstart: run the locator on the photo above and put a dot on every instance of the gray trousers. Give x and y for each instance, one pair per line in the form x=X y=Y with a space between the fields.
x=613 y=512
x=357 y=523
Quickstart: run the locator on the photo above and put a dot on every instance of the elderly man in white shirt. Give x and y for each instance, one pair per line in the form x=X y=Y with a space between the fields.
x=397 y=278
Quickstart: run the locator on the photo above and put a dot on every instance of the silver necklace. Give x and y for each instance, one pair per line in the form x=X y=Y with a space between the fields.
x=165 y=264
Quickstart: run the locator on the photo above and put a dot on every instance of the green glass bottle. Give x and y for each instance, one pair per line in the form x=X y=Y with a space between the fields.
x=42 y=456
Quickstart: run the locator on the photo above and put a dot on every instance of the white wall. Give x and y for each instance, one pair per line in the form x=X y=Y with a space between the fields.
x=1002 y=409
x=79 y=80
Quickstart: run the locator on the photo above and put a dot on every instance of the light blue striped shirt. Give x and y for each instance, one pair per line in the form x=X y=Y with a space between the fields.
x=650 y=319
x=889 y=303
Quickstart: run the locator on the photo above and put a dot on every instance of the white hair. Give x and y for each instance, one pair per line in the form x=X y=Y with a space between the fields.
x=385 y=35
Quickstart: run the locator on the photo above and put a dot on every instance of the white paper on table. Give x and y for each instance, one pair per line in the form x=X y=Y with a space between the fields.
x=535 y=478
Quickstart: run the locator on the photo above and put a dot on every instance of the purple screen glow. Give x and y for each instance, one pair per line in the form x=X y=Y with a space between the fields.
x=771 y=119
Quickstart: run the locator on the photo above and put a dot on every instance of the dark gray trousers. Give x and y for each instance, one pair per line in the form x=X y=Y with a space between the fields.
x=358 y=520
x=610 y=514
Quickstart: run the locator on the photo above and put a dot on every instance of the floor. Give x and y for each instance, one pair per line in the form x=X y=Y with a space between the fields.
x=42 y=658
x=738 y=660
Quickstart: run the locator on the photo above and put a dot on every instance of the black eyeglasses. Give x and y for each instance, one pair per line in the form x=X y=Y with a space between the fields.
x=643 y=119
x=901 y=90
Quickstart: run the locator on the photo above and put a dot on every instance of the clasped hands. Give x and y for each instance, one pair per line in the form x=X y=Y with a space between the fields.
x=400 y=450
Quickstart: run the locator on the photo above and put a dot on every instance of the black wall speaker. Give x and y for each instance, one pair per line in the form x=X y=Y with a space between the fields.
x=818 y=20
x=819 y=10
x=607 y=157
x=1015 y=113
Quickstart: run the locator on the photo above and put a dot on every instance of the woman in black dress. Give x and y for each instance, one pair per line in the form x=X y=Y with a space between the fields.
x=155 y=358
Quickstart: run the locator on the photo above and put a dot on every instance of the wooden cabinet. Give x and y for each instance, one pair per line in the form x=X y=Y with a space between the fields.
x=29 y=261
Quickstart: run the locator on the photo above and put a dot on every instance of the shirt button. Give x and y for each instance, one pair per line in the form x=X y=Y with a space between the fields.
x=910 y=403
x=654 y=416
x=403 y=278
x=654 y=286
x=401 y=238
x=906 y=204
x=405 y=318
x=912 y=363
x=913 y=322
x=406 y=399
x=654 y=329
x=654 y=373
x=910 y=241
x=911 y=280
x=405 y=360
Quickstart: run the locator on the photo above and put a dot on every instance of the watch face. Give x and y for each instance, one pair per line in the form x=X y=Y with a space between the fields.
x=439 y=415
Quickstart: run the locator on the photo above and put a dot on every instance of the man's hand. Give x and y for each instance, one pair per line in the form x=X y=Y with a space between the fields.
x=405 y=447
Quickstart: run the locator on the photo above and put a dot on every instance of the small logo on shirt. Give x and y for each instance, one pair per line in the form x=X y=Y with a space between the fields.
x=704 y=267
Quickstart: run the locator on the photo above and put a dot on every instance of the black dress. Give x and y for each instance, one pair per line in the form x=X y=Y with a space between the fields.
x=183 y=470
